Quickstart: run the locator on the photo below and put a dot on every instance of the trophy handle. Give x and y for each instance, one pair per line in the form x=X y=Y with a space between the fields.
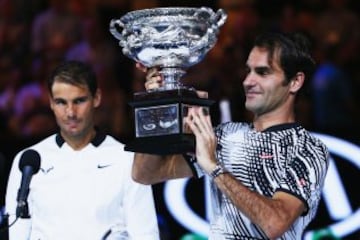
x=114 y=24
x=217 y=20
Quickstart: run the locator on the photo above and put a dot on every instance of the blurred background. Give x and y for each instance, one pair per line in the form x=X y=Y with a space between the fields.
x=36 y=35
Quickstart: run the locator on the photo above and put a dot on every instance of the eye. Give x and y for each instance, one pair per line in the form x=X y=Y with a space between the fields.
x=80 y=100
x=59 y=102
x=262 y=71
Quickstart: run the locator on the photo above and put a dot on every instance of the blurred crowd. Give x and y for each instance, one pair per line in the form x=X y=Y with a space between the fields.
x=36 y=35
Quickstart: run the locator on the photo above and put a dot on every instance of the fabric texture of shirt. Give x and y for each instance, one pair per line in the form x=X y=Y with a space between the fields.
x=282 y=158
x=87 y=194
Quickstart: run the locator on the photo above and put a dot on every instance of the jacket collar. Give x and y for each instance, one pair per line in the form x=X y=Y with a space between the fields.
x=96 y=141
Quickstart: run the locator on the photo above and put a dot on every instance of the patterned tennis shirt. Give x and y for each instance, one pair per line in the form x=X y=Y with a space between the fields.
x=282 y=158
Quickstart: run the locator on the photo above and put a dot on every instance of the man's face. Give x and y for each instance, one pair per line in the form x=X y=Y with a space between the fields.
x=265 y=86
x=74 y=108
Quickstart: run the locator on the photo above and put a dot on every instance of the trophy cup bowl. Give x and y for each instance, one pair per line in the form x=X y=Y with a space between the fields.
x=171 y=39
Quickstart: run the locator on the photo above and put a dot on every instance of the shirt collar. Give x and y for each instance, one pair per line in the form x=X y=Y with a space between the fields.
x=281 y=127
x=96 y=141
x=278 y=127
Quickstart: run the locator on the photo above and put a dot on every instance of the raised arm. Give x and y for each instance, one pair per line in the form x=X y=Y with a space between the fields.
x=151 y=169
x=273 y=215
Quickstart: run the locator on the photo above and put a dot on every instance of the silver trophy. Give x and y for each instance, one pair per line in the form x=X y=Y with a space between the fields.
x=171 y=39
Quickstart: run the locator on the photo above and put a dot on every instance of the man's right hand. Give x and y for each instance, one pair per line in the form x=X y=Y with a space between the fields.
x=154 y=79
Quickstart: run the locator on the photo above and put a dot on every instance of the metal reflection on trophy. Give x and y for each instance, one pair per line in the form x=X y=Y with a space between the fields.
x=171 y=39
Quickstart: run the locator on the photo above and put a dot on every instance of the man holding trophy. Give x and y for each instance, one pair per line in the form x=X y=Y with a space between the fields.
x=267 y=175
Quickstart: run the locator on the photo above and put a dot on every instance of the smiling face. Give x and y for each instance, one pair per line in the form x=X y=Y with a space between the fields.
x=265 y=85
x=74 y=107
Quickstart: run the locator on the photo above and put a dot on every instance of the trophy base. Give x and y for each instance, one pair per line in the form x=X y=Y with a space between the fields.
x=163 y=145
x=160 y=126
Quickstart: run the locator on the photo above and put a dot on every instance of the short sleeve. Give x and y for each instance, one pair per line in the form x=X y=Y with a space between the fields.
x=306 y=173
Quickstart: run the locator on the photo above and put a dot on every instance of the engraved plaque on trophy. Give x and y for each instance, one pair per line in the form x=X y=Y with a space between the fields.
x=171 y=39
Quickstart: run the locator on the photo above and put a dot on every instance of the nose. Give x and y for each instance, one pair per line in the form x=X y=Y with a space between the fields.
x=70 y=110
x=249 y=80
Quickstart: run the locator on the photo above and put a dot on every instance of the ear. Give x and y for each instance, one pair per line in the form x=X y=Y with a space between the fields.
x=297 y=82
x=97 y=98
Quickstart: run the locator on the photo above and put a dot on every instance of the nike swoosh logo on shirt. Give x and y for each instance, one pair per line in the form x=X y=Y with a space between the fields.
x=103 y=166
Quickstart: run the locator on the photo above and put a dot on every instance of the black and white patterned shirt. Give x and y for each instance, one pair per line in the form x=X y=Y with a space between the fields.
x=282 y=158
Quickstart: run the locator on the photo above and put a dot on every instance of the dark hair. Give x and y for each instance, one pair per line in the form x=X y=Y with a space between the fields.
x=75 y=73
x=292 y=50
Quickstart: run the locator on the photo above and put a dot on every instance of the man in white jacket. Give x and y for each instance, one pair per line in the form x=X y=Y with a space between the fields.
x=84 y=188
